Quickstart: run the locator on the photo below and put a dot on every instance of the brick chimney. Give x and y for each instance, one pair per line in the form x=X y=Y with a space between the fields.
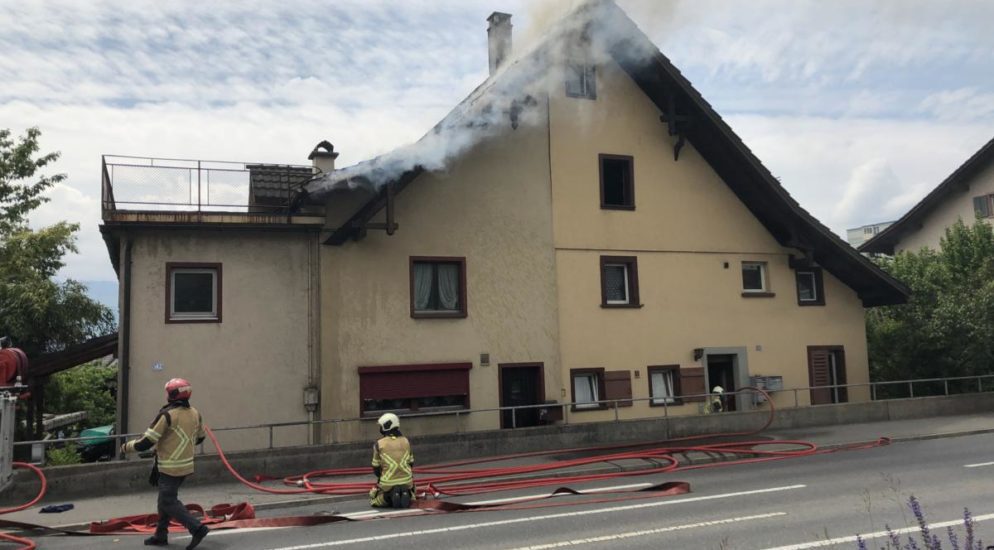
x=323 y=158
x=499 y=39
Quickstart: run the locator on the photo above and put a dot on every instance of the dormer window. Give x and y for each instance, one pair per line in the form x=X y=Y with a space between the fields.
x=581 y=81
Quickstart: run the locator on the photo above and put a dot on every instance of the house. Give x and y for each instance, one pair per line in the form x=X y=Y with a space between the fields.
x=967 y=194
x=582 y=227
x=856 y=236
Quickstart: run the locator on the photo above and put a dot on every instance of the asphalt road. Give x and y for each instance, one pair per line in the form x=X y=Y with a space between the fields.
x=790 y=504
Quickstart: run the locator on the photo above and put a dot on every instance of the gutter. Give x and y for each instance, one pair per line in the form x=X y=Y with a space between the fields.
x=124 y=361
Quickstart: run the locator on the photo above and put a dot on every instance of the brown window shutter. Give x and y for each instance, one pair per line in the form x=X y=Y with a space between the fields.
x=692 y=384
x=819 y=374
x=618 y=385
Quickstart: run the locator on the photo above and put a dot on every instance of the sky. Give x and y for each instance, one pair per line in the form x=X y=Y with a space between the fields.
x=858 y=107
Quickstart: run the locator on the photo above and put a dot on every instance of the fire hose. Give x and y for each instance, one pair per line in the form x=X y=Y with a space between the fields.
x=454 y=479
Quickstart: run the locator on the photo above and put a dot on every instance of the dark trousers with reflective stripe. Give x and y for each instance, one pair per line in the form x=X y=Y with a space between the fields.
x=171 y=507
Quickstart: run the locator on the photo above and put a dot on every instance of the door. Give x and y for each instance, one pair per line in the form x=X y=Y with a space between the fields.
x=521 y=384
x=721 y=372
x=827 y=368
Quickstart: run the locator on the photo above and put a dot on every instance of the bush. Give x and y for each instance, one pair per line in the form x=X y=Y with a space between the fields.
x=83 y=388
x=65 y=455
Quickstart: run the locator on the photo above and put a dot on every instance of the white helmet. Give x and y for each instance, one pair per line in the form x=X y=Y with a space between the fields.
x=387 y=422
x=718 y=389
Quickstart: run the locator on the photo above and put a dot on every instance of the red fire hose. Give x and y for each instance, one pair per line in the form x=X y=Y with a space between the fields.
x=26 y=544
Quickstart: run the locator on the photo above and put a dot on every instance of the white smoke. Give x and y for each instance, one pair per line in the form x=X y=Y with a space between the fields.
x=591 y=32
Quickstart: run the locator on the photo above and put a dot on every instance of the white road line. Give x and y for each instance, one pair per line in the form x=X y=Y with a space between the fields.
x=979 y=465
x=541 y=518
x=631 y=534
x=879 y=534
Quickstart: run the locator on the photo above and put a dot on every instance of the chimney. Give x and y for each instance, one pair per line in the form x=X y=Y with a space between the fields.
x=323 y=158
x=499 y=39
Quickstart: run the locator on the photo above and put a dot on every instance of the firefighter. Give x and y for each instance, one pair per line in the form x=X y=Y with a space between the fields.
x=717 y=404
x=392 y=463
x=173 y=433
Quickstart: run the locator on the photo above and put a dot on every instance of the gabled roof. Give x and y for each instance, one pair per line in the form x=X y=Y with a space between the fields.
x=885 y=241
x=688 y=116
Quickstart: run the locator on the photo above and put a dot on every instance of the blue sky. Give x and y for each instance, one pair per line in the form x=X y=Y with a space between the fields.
x=859 y=107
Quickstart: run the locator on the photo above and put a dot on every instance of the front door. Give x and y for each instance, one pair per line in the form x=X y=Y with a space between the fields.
x=827 y=371
x=521 y=384
x=721 y=372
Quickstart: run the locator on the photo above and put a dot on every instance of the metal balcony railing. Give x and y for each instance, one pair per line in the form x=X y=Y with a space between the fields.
x=184 y=185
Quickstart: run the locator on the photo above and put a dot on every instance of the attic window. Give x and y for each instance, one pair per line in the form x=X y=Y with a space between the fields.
x=581 y=81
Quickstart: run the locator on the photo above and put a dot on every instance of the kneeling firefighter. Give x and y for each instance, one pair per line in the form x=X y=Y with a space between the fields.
x=392 y=463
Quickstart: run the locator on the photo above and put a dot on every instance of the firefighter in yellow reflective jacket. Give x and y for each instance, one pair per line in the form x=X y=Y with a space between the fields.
x=175 y=431
x=392 y=463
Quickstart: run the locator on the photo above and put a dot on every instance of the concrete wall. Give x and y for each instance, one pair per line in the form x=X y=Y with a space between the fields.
x=108 y=478
x=957 y=205
x=690 y=234
x=492 y=206
x=251 y=367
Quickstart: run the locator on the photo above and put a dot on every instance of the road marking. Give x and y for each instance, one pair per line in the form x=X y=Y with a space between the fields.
x=631 y=534
x=542 y=518
x=979 y=465
x=879 y=534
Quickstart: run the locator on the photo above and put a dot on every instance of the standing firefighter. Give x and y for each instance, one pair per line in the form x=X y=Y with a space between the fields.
x=175 y=431
x=392 y=462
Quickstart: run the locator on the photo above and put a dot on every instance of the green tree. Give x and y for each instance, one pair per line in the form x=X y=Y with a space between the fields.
x=947 y=326
x=39 y=313
x=84 y=388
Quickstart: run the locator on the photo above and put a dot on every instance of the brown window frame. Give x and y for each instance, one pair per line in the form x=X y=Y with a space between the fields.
x=632 y=271
x=677 y=390
x=988 y=201
x=841 y=376
x=463 y=311
x=819 y=286
x=171 y=267
x=599 y=373
x=629 y=189
x=461 y=369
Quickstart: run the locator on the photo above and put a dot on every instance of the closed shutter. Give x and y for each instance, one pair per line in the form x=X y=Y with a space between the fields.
x=414 y=381
x=618 y=385
x=819 y=374
x=692 y=384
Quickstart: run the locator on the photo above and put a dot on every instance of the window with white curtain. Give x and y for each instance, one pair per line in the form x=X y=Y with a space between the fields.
x=437 y=287
x=586 y=389
x=661 y=385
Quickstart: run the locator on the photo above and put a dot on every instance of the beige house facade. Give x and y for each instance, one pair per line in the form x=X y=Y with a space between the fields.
x=967 y=195
x=597 y=244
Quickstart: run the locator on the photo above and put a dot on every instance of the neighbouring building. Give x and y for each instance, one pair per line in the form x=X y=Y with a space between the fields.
x=583 y=227
x=859 y=235
x=967 y=194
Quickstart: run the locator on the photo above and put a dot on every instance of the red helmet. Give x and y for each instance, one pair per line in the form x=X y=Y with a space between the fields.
x=178 y=389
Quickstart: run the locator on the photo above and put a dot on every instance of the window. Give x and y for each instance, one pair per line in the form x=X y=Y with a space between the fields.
x=619 y=281
x=867 y=230
x=810 y=287
x=581 y=80
x=412 y=388
x=588 y=387
x=438 y=287
x=827 y=374
x=617 y=187
x=754 y=279
x=984 y=206
x=193 y=292
x=664 y=385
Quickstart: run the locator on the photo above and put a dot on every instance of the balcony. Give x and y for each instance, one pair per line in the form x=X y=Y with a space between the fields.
x=146 y=190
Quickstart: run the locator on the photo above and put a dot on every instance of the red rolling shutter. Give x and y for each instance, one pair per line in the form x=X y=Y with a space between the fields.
x=410 y=381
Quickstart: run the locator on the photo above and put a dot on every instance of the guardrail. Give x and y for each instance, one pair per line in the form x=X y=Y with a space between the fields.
x=187 y=185
x=879 y=391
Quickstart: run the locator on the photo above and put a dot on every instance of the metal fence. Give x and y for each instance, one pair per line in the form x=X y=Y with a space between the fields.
x=185 y=185
x=787 y=397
